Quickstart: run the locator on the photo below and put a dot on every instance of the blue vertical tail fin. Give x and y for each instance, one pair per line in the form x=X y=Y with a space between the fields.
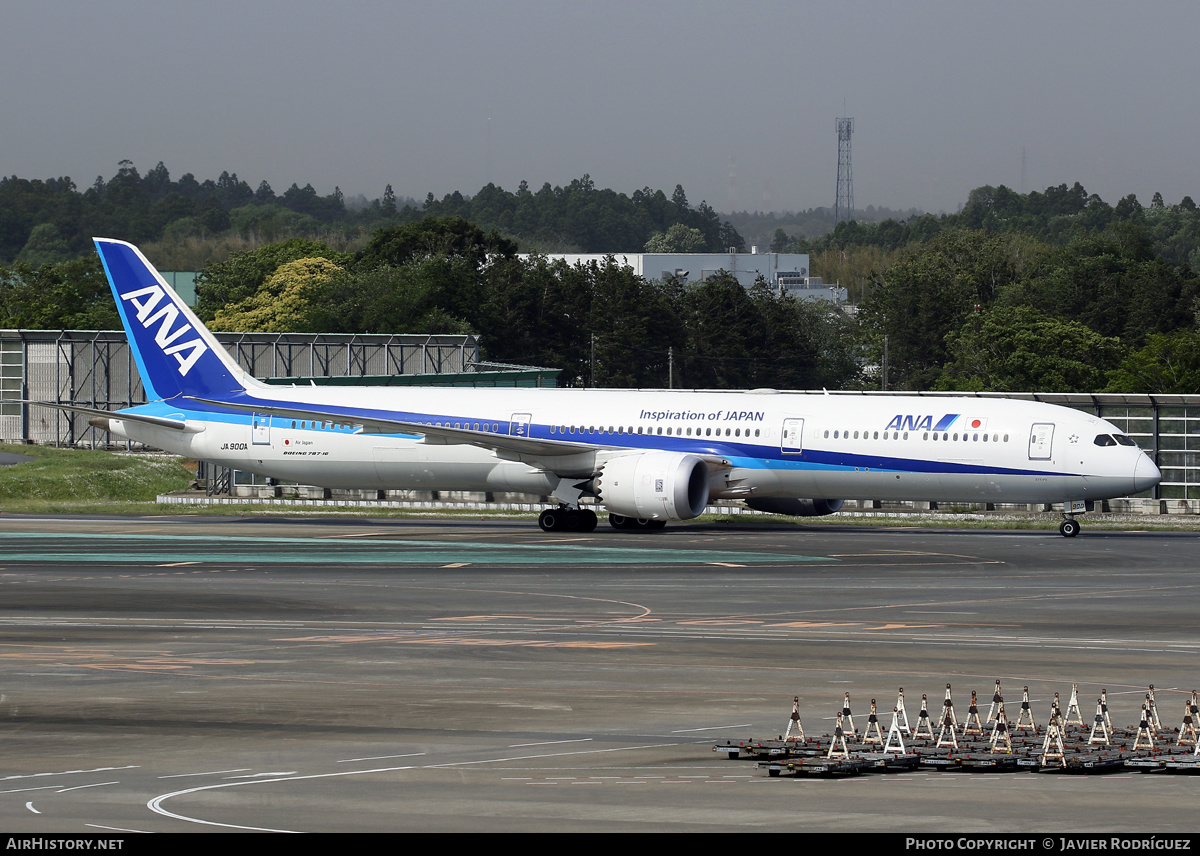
x=176 y=354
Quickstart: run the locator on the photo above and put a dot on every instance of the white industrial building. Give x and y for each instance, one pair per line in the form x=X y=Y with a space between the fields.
x=787 y=273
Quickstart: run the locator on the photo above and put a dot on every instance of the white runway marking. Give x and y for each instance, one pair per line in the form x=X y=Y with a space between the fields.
x=81 y=787
x=68 y=773
x=380 y=758
x=155 y=805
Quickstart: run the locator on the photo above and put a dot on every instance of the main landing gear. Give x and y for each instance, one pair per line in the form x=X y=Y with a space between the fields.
x=563 y=519
x=567 y=519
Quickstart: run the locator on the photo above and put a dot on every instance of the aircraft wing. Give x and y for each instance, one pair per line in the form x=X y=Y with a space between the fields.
x=433 y=435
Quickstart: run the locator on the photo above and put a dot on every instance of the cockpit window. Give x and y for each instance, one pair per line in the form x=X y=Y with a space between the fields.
x=1123 y=440
x=1104 y=440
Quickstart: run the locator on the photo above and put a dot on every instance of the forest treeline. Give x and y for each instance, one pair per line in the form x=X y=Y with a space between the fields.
x=1054 y=290
x=53 y=221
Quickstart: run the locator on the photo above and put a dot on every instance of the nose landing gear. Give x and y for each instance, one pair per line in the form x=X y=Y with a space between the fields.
x=1069 y=528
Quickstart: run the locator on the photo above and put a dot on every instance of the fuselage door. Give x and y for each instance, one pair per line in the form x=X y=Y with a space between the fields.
x=1041 y=441
x=260 y=429
x=793 y=437
x=518 y=426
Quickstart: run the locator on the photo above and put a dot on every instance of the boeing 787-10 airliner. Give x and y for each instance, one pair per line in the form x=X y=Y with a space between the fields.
x=644 y=456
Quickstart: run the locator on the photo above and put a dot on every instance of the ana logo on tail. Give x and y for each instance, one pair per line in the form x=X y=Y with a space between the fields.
x=185 y=353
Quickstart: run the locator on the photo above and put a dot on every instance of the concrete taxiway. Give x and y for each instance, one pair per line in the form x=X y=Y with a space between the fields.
x=207 y=674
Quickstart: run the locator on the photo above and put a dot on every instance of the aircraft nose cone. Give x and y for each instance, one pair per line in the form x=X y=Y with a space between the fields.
x=1145 y=474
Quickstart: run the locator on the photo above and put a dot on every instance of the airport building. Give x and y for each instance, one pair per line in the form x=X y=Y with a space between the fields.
x=785 y=273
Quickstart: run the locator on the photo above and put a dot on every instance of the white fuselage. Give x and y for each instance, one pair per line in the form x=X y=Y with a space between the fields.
x=783 y=445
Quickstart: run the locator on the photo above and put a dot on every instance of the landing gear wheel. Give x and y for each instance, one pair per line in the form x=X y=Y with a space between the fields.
x=569 y=519
x=1069 y=528
x=620 y=521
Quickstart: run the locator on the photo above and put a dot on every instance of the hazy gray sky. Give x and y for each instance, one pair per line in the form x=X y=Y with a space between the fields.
x=443 y=96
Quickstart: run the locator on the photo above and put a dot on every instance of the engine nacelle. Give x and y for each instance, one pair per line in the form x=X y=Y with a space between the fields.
x=796 y=507
x=654 y=486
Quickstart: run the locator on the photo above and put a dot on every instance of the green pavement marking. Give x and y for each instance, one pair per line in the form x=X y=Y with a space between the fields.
x=161 y=549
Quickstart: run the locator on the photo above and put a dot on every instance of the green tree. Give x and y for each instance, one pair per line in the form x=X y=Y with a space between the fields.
x=289 y=301
x=677 y=239
x=1112 y=283
x=71 y=295
x=433 y=236
x=241 y=275
x=1018 y=349
x=928 y=291
x=1169 y=363
x=45 y=245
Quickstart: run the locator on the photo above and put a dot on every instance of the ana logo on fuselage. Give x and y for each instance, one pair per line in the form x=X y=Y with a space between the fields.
x=185 y=353
x=909 y=422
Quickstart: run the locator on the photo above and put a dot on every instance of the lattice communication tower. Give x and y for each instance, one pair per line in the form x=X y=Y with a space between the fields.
x=843 y=208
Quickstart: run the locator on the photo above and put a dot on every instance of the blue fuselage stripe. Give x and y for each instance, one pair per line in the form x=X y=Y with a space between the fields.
x=743 y=454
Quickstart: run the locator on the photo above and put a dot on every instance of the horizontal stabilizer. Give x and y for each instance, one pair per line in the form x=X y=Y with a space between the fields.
x=160 y=421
